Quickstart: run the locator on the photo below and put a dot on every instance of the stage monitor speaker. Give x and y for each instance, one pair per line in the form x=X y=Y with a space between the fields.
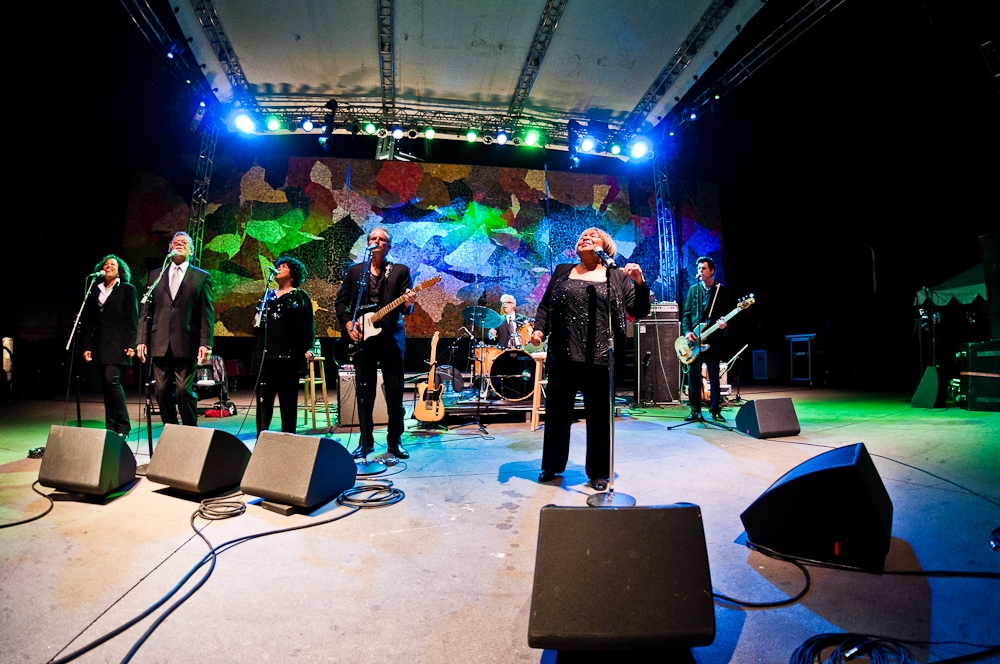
x=347 y=405
x=983 y=376
x=832 y=508
x=302 y=471
x=197 y=459
x=768 y=418
x=609 y=578
x=658 y=373
x=765 y=365
x=930 y=392
x=91 y=461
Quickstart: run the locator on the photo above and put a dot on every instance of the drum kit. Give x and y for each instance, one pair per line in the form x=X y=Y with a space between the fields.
x=507 y=373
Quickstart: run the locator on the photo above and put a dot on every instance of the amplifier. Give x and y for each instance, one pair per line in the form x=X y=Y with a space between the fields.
x=658 y=371
x=347 y=404
x=664 y=311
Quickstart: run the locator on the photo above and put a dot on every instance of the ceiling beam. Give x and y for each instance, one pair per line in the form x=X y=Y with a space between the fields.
x=547 y=25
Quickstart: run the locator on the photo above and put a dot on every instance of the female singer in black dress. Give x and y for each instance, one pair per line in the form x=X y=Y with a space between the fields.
x=287 y=334
x=109 y=322
x=573 y=313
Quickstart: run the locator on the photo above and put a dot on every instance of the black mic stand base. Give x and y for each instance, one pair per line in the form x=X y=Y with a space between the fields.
x=700 y=419
x=610 y=498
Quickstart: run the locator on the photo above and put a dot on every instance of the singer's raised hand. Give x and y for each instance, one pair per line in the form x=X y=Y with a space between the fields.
x=634 y=272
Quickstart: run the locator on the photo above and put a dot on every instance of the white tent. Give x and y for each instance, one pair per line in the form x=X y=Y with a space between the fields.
x=965 y=288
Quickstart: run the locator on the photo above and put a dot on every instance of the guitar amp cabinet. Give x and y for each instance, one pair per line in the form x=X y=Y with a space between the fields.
x=347 y=404
x=658 y=371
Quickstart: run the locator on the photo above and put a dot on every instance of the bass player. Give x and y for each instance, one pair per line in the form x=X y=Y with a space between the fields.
x=704 y=300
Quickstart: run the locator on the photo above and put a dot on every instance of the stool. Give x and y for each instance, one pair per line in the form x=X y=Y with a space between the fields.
x=310 y=382
x=536 y=400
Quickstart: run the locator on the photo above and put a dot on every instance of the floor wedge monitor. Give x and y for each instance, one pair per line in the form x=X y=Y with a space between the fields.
x=768 y=418
x=633 y=578
x=832 y=508
x=90 y=461
x=301 y=471
x=197 y=459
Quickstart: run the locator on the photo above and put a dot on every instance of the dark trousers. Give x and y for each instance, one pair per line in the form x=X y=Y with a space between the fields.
x=281 y=378
x=380 y=352
x=115 y=412
x=565 y=380
x=711 y=358
x=175 y=375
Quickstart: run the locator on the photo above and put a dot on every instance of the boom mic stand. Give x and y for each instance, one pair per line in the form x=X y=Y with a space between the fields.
x=476 y=419
x=71 y=348
x=141 y=470
x=700 y=418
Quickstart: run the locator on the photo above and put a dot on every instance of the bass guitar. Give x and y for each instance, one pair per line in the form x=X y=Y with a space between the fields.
x=430 y=406
x=687 y=351
x=367 y=321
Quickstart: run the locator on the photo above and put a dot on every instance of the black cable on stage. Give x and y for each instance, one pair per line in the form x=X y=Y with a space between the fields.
x=37 y=516
x=380 y=494
x=878 y=649
x=770 y=605
x=210 y=556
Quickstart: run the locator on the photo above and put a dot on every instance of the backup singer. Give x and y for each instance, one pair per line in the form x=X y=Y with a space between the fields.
x=287 y=334
x=177 y=330
x=506 y=335
x=386 y=282
x=574 y=314
x=109 y=324
x=705 y=300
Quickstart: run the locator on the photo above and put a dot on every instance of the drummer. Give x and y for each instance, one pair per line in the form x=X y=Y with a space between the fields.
x=506 y=334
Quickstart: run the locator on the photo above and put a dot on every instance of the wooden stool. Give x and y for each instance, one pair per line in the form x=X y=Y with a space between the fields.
x=310 y=382
x=536 y=400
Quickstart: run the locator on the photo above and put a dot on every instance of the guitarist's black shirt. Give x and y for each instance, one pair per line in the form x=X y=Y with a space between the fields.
x=699 y=302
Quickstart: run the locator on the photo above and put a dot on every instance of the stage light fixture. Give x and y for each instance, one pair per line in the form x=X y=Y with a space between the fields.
x=429 y=132
x=471 y=135
x=383 y=132
x=616 y=148
x=641 y=147
x=201 y=104
x=292 y=126
x=412 y=132
x=693 y=114
x=324 y=142
x=532 y=137
x=273 y=123
x=370 y=128
x=355 y=128
x=245 y=123
x=307 y=124
x=588 y=144
x=397 y=132
x=599 y=147
x=501 y=137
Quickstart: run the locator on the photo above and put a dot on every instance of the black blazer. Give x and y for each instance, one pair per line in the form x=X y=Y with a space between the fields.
x=180 y=325
x=392 y=287
x=106 y=332
x=503 y=332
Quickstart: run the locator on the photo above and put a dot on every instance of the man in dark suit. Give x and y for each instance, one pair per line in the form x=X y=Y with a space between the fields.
x=385 y=282
x=176 y=330
x=506 y=335
x=706 y=301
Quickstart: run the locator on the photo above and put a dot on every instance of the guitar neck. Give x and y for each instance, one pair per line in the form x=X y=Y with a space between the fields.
x=384 y=311
x=715 y=325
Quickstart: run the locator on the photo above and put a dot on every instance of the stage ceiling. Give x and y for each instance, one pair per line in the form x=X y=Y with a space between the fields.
x=600 y=60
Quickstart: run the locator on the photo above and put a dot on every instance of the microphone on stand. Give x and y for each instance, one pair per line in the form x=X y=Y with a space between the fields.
x=607 y=260
x=99 y=274
x=372 y=246
x=173 y=253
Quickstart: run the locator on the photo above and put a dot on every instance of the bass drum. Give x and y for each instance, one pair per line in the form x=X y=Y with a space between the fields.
x=513 y=375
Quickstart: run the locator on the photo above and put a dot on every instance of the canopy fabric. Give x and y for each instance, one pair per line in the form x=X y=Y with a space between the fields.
x=965 y=288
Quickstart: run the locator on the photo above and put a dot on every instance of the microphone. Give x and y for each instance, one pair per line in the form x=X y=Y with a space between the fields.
x=272 y=270
x=99 y=274
x=372 y=246
x=607 y=260
x=173 y=253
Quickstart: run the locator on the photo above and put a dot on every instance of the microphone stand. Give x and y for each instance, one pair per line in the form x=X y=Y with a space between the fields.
x=71 y=348
x=262 y=378
x=609 y=498
x=146 y=336
x=375 y=466
x=480 y=388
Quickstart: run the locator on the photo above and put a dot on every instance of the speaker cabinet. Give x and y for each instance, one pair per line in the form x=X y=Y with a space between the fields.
x=197 y=459
x=632 y=578
x=765 y=365
x=930 y=392
x=91 y=461
x=658 y=373
x=832 y=508
x=302 y=471
x=347 y=404
x=768 y=418
x=979 y=374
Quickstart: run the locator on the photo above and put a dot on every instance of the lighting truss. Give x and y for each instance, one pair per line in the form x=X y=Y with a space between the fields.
x=199 y=195
x=385 y=53
x=669 y=259
x=532 y=63
x=224 y=52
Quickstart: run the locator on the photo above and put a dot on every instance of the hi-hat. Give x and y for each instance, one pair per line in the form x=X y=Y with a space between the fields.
x=482 y=317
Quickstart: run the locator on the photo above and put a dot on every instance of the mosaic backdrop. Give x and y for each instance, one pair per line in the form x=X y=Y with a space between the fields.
x=484 y=230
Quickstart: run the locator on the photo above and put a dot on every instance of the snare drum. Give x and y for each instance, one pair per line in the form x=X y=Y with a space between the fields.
x=512 y=375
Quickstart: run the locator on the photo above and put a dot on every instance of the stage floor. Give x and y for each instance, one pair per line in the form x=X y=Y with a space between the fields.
x=446 y=574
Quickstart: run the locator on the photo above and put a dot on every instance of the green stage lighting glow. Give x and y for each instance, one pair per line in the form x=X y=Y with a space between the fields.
x=616 y=148
x=471 y=136
x=531 y=138
x=273 y=123
x=370 y=128
x=429 y=132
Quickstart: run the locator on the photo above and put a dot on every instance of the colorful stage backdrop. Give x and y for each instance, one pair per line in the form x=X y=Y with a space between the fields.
x=484 y=230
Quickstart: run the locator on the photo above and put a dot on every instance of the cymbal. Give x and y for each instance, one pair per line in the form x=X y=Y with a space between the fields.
x=482 y=317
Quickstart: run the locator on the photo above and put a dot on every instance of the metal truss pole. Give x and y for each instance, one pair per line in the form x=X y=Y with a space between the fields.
x=223 y=48
x=539 y=45
x=387 y=72
x=199 y=195
x=666 y=230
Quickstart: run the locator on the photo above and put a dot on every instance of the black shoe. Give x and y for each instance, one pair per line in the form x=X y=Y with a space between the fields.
x=695 y=416
x=546 y=476
x=399 y=451
x=718 y=417
x=599 y=484
x=361 y=451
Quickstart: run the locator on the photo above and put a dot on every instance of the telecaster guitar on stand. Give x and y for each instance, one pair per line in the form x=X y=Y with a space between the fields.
x=368 y=320
x=430 y=406
x=687 y=351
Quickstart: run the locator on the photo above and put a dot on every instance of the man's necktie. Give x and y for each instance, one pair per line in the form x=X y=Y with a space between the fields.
x=511 y=339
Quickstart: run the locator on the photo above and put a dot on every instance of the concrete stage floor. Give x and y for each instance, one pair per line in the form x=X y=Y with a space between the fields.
x=446 y=574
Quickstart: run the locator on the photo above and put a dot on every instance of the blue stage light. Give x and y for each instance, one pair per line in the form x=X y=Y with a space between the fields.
x=307 y=124
x=245 y=123
x=587 y=144
x=501 y=137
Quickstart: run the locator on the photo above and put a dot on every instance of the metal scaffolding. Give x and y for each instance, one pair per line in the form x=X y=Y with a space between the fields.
x=223 y=49
x=667 y=282
x=385 y=53
x=199 y=194
x=547 y=25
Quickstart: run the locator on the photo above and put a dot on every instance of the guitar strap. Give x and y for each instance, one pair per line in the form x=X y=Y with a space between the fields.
x=711 y=307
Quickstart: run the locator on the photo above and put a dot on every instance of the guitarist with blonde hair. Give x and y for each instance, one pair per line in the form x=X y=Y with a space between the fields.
x=384 y=283
x=707 y=301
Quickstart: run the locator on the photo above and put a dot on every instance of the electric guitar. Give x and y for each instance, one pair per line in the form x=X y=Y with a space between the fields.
x=367 y=320
x=687 y=351
x=429 y=406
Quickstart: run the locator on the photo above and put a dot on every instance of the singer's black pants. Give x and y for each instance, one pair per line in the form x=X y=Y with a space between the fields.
x=115 y=411
x=565 y=380
x=280 y=377
x=175 y=376
x=380 y=352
